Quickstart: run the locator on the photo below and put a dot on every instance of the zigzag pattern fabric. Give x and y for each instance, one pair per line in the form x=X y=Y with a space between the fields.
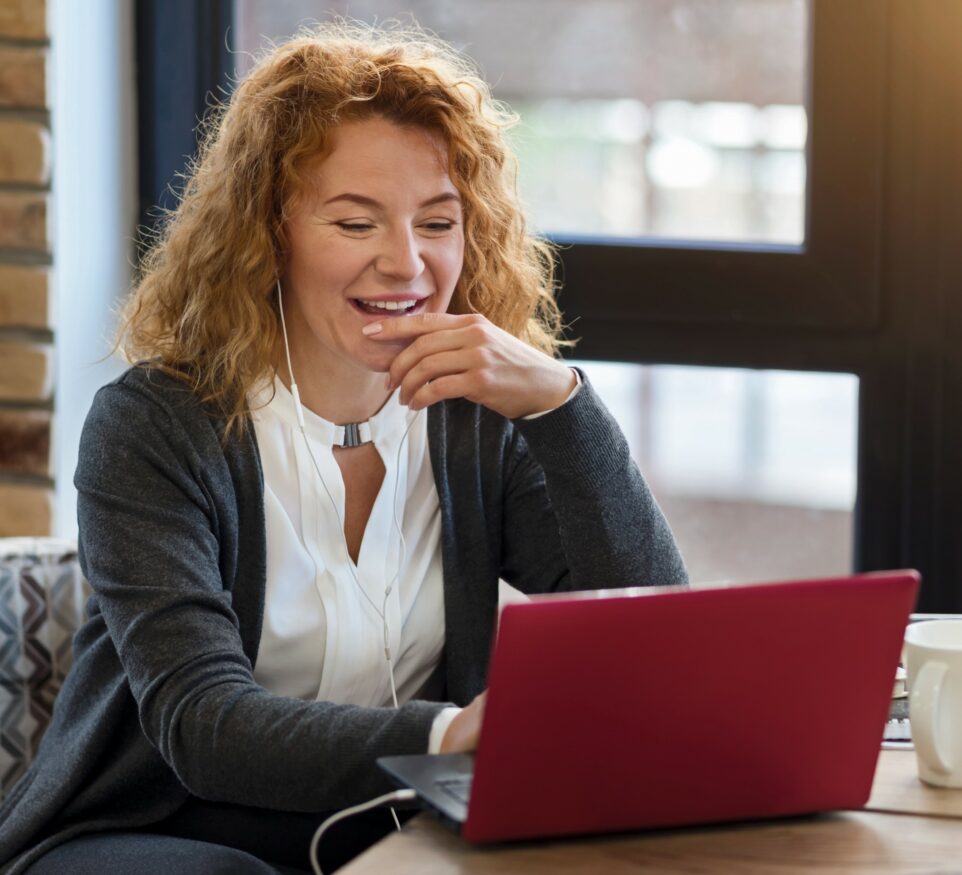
x=42 y=598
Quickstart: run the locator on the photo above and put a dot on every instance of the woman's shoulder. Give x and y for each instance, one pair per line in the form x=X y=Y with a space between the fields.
x=155 y=384
x=146 y=421
x=146 y=394
x=154 y=380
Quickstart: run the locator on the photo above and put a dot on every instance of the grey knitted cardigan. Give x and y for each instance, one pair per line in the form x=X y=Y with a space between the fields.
x=161 y=701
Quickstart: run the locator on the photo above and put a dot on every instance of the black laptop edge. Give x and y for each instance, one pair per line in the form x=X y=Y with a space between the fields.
x=422 y=774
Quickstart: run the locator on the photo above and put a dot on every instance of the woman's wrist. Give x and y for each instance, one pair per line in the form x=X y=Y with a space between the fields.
x=439 y=728
x=571 y=392
x=465 y=729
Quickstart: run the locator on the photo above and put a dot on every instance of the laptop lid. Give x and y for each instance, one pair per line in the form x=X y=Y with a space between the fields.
x=640 y=708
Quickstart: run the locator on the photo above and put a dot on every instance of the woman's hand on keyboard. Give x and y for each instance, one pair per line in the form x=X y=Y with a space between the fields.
x=465 y=729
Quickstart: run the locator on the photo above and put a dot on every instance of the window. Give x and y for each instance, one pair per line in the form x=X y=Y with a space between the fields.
x=862 y=280
x=675 y=119
x=755 y=470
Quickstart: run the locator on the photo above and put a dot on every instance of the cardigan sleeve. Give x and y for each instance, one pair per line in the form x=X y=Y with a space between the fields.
x=577 y=512
x=154 y=522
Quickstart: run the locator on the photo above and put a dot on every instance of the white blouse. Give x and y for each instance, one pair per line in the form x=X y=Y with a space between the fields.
x=323 y=637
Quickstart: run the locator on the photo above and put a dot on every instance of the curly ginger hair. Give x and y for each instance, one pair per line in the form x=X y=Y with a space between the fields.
x=204 y=308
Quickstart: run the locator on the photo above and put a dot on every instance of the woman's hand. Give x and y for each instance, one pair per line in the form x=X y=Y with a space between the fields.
x=465 y=729
x=468 y=357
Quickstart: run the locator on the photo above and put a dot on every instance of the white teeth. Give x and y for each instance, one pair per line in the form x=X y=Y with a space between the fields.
x=389 y=305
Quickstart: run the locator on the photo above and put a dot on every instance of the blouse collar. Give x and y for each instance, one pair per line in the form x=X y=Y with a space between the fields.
x=386 y=426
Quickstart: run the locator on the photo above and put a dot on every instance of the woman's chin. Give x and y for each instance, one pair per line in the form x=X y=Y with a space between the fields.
x=378 y=361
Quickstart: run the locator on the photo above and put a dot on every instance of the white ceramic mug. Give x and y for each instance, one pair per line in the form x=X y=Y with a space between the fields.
x=933 y=653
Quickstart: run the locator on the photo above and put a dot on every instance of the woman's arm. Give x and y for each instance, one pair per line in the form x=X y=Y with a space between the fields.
x=575 y=514
x=158 y=537
x=577 y=511
x=578 y=514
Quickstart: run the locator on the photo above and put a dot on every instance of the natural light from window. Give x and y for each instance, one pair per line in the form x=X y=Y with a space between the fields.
x=755 y=470
x=681 y=119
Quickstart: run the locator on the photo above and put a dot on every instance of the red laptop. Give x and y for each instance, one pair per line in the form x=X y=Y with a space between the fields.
x=642 y=708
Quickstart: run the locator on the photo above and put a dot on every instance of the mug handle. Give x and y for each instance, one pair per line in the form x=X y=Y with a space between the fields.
x=923 y=714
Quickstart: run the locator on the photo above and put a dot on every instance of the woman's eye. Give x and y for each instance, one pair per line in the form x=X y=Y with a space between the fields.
x=353 y=226
x=439 y=226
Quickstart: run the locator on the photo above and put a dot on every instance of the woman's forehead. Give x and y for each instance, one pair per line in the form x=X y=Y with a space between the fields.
x=375 y=154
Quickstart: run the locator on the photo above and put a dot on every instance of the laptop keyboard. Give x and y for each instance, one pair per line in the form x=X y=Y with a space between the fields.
x=458 y=788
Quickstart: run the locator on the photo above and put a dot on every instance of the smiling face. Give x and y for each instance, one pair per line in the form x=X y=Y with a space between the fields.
x=379 y=236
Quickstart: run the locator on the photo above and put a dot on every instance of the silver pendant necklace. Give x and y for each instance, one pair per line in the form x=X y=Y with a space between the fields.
x=353 y=434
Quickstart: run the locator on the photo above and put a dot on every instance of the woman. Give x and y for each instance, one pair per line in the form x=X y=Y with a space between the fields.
x=346 y=424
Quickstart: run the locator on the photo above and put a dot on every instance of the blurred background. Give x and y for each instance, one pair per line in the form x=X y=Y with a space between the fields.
x=751 y=200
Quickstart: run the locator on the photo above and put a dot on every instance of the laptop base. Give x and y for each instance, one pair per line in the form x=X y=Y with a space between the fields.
x=438 y=780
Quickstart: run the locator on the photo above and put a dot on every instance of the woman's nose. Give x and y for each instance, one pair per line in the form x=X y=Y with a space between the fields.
x=400 y=257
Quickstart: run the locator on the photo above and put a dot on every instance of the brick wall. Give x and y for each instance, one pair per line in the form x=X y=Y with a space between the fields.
x=26 y=318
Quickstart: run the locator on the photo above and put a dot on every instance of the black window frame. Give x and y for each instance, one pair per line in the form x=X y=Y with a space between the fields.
x=872 y=291
x=183 y=63
x=832 y=279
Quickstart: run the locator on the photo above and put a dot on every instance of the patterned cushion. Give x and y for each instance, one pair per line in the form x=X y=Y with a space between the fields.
x=42 y=597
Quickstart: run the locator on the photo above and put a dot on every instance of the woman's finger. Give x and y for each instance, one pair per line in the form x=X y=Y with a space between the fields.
x=424 y=346
x=408 y=327
x=431 y=367
x=441 y=389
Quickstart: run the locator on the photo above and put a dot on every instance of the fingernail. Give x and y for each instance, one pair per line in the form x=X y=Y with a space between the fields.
x=373 y=328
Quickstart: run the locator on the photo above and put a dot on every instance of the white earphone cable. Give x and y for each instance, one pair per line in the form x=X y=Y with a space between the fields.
x=396 y=796
x=382 y=613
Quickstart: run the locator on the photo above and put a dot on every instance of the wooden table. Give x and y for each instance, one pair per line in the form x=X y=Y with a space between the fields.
x=907 y=827
x=898 y=790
